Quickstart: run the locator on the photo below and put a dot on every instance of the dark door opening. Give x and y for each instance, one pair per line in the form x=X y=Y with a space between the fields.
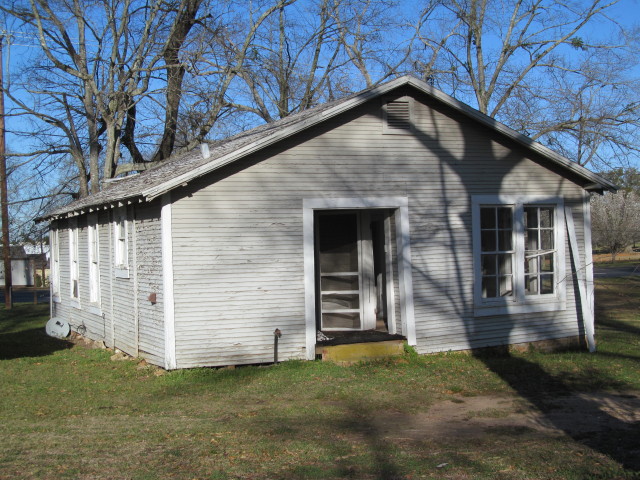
x=352 y=263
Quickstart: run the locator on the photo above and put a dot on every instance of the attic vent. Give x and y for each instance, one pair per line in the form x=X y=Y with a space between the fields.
x=397 y=116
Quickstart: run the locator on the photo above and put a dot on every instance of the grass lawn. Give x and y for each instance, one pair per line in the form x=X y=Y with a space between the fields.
x=67 y=411
x=625 y=258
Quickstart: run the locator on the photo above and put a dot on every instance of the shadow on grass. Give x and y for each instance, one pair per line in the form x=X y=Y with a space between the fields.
x=616 y=325
x=621 y=356
x=361 y=423
x=620 y=440
x=33 y=342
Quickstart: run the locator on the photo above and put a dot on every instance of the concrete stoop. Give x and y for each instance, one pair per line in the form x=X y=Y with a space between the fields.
x=361 y=352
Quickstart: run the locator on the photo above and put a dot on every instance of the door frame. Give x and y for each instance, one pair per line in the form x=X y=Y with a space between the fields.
x=403 y=259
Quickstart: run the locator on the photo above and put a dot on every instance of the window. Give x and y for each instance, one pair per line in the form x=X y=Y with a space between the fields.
x=120 y=246
x=539 y=250
x=496 y=245
x=54 y=279
x=518 y=267
x=74 y=269
x=94 y=260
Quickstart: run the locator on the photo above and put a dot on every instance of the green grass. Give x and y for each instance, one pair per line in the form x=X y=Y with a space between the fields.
x=67 y=411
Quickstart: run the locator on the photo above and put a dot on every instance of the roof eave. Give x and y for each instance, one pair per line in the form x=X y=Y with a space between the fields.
x=91 y=208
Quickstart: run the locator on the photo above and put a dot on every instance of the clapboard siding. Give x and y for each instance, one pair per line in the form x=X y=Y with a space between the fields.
x=238 y=246
x=124 y=313
x=148 y=282
x=124 y=318
x=84 y=317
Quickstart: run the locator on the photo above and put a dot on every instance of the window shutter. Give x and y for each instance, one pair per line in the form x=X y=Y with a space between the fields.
x=398 y=116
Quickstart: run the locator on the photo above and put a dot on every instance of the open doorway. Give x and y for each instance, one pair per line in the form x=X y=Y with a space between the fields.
x=376 y=290
x=353 y=269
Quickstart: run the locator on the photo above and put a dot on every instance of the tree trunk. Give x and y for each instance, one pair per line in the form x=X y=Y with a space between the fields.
x=183 y=23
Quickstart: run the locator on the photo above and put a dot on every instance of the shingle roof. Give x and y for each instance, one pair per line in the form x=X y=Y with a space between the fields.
x=184 y=167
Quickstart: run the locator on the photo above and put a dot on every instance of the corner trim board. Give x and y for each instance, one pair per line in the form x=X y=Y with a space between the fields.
x=170 y=362
x=587 y=313
x=588 y=252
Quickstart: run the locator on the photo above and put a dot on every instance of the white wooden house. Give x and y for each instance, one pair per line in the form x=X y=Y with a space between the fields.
x=398 y=209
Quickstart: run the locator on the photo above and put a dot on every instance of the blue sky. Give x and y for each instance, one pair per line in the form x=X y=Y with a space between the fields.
x=24 y=48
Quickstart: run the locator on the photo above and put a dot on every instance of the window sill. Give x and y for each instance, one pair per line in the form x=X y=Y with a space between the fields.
x=75 y=303
x=542 y=305
x=121 y=272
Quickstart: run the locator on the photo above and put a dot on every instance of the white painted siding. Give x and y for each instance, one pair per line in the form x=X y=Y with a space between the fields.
x=89 y=319
x=238 y=246
x=149 y=281
x=125 y=318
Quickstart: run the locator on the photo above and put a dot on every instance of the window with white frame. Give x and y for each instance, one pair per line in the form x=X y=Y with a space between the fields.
x=120 y=245
x=94 y=259
x=519 y=258
x=74 y=268
x=539 y=250
x=54 y=279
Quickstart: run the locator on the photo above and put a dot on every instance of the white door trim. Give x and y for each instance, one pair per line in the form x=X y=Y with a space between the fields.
x=401 y=204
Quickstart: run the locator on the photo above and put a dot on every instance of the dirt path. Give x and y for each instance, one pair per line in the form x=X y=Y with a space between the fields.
x=470 y=417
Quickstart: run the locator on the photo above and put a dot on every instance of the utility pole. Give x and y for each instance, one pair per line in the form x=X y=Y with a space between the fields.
x=6 y=245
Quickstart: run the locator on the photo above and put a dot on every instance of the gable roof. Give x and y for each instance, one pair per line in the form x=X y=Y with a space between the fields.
x=185 y=167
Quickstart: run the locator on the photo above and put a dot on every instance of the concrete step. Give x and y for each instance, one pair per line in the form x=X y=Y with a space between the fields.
x=361 y=352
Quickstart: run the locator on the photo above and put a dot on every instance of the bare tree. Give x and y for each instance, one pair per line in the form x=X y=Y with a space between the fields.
x=615 y=220
x=540 y=67
x=293 y=59
x=216 y=63
x=98 y=61
x=294 y=55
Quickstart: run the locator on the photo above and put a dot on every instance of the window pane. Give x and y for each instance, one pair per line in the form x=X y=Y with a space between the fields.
x=531 y=239
x=489 y=287
x=506 y=287
x=546 y=217
x=531 y=265
x=546 y=284
x=546 y=238
x=504 y=237
x=487 y=217
x=488 y=241
x=504 y=218
x=546 y=263
x=489 y=264
x=531 y=217
x=531 y=285
x=505 y=264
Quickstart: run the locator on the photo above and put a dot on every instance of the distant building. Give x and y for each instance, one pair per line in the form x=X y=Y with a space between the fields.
x=27 y=269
